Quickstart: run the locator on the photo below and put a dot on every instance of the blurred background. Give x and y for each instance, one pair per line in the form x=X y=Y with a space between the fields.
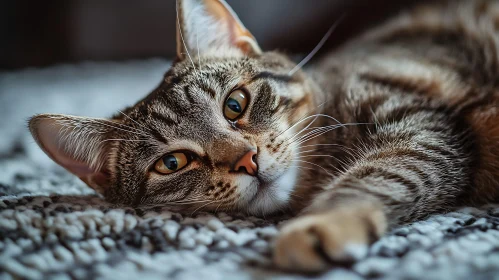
x=95 y=57
x=42 y=33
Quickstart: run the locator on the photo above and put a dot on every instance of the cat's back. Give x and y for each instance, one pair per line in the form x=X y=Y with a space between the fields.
x=445 y=53
x=438 y=49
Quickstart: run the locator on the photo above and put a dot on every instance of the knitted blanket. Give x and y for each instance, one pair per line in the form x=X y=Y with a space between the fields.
x=53 y=226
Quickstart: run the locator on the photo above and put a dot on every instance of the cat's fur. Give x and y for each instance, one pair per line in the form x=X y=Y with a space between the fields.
x=396 y=125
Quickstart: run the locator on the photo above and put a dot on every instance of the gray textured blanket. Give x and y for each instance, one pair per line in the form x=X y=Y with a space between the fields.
x=52 y=226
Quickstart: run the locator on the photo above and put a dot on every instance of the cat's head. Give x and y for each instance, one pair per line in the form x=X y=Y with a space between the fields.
x=216 y=134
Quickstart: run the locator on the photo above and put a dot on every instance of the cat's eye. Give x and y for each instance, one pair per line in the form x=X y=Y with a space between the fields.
x=171 y=163
x=235 y=104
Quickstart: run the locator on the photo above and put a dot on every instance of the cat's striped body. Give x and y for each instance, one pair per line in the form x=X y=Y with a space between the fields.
x=425 y=88
x=396 y=125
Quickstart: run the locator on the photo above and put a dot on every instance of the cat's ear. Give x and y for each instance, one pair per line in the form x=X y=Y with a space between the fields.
x=211 y=26
x=76 y=143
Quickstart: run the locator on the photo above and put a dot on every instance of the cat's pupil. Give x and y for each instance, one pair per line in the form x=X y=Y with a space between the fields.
x=234 y=105
x=170 y=162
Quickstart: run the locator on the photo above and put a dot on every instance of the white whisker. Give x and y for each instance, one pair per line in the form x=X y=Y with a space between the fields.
x=197 y=46
x=134 y=122
x=114 y=126
x=322 y=130
x=299 y=160
x=182 y=38
x=303 y=167
x=315 y=150
x=304 y=156
x=312 y=116
x=317 y=48
x=314 y=145
x=123 y=140
x=177 y=202
x=202 y=206
x=312 y=133
x=187 y=202
x=300 y=120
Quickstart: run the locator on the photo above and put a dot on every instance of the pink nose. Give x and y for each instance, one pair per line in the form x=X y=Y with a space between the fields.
x=248 y=162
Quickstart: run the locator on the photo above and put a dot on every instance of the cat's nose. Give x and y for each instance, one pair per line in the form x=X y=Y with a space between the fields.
x=247 y=162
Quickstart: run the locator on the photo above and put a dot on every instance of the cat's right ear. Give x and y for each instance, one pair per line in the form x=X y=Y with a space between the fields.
x=78 y=144
x=211 y=27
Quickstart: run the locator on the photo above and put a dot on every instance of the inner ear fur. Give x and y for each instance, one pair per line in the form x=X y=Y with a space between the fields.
x=211 y=26
x=79 y=144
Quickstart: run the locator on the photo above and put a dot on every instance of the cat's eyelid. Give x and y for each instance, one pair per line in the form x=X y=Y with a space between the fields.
x=232 y=85
x=186 y=145
x=267 y=75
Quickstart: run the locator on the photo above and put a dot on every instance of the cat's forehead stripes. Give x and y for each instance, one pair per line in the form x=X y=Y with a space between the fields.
x=276 y=77
x=265 y=101
x=209 y=81
x=191 y=96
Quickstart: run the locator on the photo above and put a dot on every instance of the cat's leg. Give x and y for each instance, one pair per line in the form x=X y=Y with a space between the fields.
x=416 y=165
x=315 y=241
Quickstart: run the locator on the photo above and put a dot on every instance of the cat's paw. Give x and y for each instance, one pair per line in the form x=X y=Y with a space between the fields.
x=315 y=242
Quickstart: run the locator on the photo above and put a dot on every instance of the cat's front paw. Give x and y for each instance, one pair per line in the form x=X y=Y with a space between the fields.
x=315 y=242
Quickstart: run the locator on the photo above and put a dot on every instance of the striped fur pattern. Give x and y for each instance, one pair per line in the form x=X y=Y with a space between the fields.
x=396 y=125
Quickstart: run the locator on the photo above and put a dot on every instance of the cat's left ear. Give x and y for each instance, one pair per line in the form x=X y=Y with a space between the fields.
x=79 y=144
x=211 y=26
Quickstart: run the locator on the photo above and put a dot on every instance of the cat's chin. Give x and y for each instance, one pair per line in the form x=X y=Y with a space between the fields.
x=271 y=197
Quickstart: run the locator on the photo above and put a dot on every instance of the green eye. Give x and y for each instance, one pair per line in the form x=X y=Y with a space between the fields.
x=235 y=104
x=171 y=163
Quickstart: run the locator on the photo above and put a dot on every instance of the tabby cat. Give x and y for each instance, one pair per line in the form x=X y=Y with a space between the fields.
x=396 y=125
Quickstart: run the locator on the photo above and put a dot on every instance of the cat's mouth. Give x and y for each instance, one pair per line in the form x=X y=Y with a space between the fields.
x=272 y=195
